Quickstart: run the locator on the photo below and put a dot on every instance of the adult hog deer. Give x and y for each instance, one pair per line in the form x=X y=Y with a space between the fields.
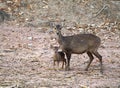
x=79 y=44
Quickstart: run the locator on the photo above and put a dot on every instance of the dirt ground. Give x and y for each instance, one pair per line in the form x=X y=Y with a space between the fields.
x=26 y=61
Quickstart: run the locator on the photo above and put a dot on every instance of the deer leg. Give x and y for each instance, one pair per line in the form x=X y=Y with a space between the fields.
x=100 y=59
x=91 y=59
x=68 y=61
x=65 y=62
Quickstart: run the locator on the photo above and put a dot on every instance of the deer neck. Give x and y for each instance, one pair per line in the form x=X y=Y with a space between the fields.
x=60 y=38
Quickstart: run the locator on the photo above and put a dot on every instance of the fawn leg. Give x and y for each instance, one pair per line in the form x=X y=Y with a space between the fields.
x=62 y=64
x=58 y=63
x=54 y=63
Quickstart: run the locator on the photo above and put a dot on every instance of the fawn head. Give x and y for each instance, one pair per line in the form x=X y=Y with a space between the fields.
x=55 y=48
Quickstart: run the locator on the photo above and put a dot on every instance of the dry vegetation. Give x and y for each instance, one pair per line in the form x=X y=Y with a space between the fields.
x=25 y=40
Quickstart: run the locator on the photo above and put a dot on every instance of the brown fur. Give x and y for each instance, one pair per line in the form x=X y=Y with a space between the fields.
x=58 y=56
x=79 y=44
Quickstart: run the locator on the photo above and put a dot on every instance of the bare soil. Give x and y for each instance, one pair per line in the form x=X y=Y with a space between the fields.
x=26 y=61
